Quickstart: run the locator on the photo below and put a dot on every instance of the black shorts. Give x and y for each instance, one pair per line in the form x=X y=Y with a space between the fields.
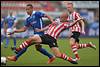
x=47 y=39
x=76 y=36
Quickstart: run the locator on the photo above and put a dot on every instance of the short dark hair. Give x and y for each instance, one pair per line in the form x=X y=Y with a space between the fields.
x=70 y=3
x=30 y=5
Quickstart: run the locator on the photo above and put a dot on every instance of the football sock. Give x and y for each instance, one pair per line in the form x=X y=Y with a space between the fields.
x=83 y=46
x=21 y=52
x=43 y=51
x=74 y=50
x=63 y=56
x=23 y=45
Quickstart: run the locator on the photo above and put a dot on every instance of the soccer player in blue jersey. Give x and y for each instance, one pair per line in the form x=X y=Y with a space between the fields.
x=35 y=21
x=10 y=24
x=2 y=30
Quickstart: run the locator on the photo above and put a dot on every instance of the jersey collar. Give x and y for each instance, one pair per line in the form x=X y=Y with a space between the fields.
x=32 y=13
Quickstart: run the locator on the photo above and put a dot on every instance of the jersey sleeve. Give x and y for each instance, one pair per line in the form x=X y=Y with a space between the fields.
x=40 y=14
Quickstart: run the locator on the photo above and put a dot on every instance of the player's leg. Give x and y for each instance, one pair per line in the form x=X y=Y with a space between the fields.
x=14 y=40
x=52 y=42
x=18 y=53
x=63 y=56
x=15 y=57
x=43 y=51
x=29 y=41
x=7 y=37
x=38 y=47
x=86 y=45
x=7 y=42
x=24 y=45
x=74 y=42
x=58 y=54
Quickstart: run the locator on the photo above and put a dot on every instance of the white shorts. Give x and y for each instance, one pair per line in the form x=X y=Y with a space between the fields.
x=10 y=30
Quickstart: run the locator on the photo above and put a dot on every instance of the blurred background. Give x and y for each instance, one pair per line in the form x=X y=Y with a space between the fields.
x=87 y=9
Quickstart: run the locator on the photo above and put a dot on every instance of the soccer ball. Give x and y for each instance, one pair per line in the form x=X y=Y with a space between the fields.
x=3 y=60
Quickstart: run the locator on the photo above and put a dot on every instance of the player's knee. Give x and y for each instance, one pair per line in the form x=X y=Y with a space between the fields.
x=72 y=41
x=32 y=38
x=29 y=40
x=36 y=38
x=38 y=47
x=58 y=55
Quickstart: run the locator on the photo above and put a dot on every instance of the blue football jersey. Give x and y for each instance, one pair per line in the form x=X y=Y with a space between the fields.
x=35 y=21
x=10 y=20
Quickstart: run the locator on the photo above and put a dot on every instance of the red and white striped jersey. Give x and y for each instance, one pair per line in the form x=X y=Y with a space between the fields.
x=71 y=18
x=55 y=30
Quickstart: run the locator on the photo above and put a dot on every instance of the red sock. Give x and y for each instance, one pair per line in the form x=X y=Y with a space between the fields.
x=74 y=50
x=63 y=56
x=69 y=59
x=83 y=46
x=18 y=49
x=23 y=45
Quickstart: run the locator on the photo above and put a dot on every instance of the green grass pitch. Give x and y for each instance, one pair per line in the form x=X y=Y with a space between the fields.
x=88 y=56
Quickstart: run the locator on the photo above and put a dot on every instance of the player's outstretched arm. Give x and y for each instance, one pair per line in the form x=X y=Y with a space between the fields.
x=83 y=26
x=23 y=29
x=18 y=30
x=72 y=24
x=51 y=19
x=43 y=29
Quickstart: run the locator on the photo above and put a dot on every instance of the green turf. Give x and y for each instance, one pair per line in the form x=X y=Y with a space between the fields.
x=89 y=57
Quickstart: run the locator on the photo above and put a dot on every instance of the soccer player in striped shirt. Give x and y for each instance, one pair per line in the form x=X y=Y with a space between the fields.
x=76 y=30
x=50 y=37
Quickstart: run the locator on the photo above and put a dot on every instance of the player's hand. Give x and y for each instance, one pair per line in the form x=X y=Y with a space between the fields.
x=37 y=30
x=10 y=33
x=54 y=23
x=79 y=19
x=83 y=32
